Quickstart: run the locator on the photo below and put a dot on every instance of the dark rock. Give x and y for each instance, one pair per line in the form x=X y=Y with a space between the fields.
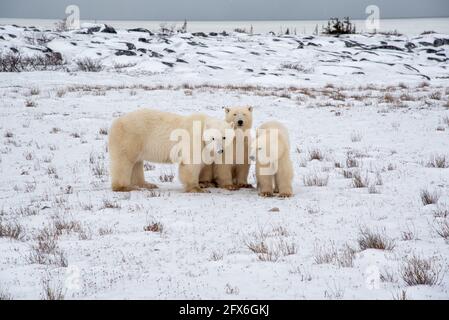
x=249 y=70
x=169 y=50
x=170 y=64
x=410 y=46
x=96 y=42
x=425 y=44
x=437 y=59
x=74 y=43
x=199 y=34
x=431 y=51
x=130 y=46
x=224 y=34
x=181 y=60
x=12 y=35
x=93 y=29
x=215 y=67
x=386 y=47
x=309 y=38
x=1 y=38
x=13 y=49
x=144 y=40
x=213 y=34
x=255 y=53
x=125 y=53
x=108 y=29
x=142 y=50
x=193 y=43
x=155 y=54
x=141 y=30
x=358 y=72
x=313 y=44
x=440 y=42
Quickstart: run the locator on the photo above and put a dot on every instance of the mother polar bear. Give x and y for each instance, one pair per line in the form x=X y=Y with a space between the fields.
x=151 y=135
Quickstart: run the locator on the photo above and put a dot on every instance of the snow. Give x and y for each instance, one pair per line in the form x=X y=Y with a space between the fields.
x=202 y=251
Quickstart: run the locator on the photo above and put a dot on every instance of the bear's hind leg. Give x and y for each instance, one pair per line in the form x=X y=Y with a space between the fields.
x=189 y=175
x=138 y=177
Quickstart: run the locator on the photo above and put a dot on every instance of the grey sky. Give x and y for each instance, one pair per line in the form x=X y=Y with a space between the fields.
x=222 y=9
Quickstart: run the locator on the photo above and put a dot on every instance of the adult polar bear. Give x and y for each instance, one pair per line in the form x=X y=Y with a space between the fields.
x=147 y=135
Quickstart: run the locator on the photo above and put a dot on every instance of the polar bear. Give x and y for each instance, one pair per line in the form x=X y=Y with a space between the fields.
x=151 y=135
x=271 y=151
x=233 y=176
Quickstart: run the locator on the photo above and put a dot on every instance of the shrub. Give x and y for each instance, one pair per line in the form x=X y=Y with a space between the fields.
x=419 y=271
x=336 y=27
x=89 y=65
x=374 y=240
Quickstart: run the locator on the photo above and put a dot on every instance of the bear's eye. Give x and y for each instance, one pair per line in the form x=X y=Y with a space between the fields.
x=235 y=114
x=213 y=138
x=260 y=148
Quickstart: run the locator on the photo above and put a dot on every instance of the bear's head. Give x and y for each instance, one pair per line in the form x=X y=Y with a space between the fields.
x=241 y=117
x=267 y=148
x=218 y=136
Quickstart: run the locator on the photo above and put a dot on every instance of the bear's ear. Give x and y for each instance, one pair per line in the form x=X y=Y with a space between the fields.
x=250 y=109
x=226 y=109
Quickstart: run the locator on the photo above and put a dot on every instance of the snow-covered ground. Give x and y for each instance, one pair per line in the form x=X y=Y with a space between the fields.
x=370 y=106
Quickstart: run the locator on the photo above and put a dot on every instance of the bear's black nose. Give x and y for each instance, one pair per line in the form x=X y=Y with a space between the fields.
x=240 y=122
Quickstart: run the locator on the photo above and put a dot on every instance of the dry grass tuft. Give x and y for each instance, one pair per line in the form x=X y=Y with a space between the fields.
x=428 y=197
x=12 y=230
x=316 y=154
x=154 y=227
x=358 y=181
x=374 y=240
x=438 y=161
x=316 y=179
x=419 y=271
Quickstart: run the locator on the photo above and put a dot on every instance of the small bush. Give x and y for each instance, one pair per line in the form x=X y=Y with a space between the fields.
x=314 y=179
x=358 y=181
x=154 y=227
x=335 y=26
x=442 y=228
x=419 y=271
x=51 y=291
x=374 y=240
x=15 y=62
x=166 y=177
x=315 y=154
x=428 y=197
x=438 y=161
x=89 y=65
x=11 y=230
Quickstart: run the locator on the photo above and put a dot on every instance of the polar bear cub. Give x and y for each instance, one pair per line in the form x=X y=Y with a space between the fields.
x=151 y=135
x=271 y=151
x=234 y=175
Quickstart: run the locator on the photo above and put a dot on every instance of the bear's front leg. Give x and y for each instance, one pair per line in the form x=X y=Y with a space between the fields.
x=283 y=179
x=223 y=176
x=242 y=171
x=265 y=183
x=189 y=175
